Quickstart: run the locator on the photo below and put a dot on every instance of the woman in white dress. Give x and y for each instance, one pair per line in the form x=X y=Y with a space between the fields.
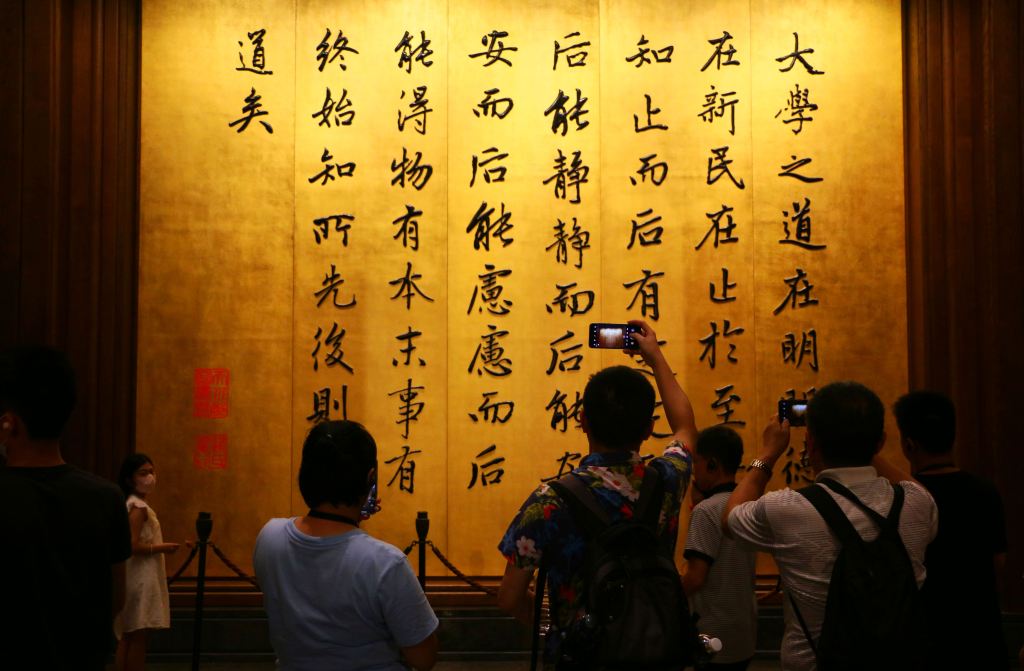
x=146 y=604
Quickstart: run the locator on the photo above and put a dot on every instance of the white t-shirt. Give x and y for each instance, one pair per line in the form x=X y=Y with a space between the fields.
x=785 y=524
x=341 y=602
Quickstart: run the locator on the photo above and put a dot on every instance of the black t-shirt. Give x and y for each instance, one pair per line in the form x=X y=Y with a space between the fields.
x=61 y=529
x=960 y=596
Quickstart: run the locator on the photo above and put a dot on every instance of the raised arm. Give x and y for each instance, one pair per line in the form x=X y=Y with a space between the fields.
x=774 y=441
x=677 y=405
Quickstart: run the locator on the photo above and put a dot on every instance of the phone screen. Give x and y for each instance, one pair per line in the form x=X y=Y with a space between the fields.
x=794 y=410
x=613 y=336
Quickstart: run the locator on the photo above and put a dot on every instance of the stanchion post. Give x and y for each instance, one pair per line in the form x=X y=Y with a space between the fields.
x=422 y=527
x=204 y=525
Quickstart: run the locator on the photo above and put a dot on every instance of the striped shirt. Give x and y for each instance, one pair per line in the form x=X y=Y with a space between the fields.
x=785 y=524
x=726 y=603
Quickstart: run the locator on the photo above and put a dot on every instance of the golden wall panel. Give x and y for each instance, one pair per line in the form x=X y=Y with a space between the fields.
x=241 y=230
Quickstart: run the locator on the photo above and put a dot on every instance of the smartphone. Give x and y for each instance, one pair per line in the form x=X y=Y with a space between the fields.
x=795 y=410
x=370 y=507
x=613 y=336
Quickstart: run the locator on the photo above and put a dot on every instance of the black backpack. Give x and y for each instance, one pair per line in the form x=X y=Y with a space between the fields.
x=872 y=614
x=637 y=614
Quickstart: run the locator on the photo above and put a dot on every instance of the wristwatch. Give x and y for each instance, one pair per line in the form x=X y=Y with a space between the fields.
x=761 y=464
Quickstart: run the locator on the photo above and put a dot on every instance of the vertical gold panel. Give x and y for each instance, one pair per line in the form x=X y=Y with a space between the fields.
x=215 y=277
x=233 y=255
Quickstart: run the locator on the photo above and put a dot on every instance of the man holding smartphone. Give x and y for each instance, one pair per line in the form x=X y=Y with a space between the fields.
x=618 y=405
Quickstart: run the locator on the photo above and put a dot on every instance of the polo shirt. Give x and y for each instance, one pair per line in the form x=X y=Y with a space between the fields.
x=785 y=524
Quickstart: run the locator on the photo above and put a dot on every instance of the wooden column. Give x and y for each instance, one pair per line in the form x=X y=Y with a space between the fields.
x=965 y=234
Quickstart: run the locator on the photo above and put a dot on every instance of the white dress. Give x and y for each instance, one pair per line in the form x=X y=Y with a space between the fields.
x=146 y=602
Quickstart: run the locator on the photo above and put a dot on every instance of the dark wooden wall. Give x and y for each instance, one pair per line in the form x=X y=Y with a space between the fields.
x=965 y=234
x=69 y=217
x=68 y=204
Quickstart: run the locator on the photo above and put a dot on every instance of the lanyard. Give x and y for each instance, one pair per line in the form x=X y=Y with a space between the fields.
x=321 y=515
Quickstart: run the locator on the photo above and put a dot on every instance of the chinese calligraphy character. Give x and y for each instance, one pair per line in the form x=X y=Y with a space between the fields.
x=409 y=409
x=407 y=287
x=324 y=50
x=494 y=48
x=794 y=353
x=489 y=291
x=726 y=286
x=323 y=405
x=721 y=50
x=561 y=412
x=489 y=472
x=724 y=402
x=648 y=290
x=259 y=54
x=489 y=356
x=579 y=240
x=492 y=174
x=710 y=342
x=651 y=112
x=339 y=223
x=483 y=229
x=722 y=231
x=498 y=108
x=577 y=303
x=641 y=57
x=658 y=171
x=409 y=346
x=407 y=53
x=798 y=106
x=251 y=110
x=711 y=112
x=798 y=55
x=409 y=168
x=799 y=289
x=405 y=472
x=494 y=412
x=646 y=233
x=561 y=116
x=331 y=287
x=790 y=170
x=336 y=110
x=566 y=463
x=568 y=177
x=801 y=217
x=418 y=111
x=408 y=228
x=327 y=174
x=563 y=354
x=335 y=356
x=575 y=54
x=721 y=167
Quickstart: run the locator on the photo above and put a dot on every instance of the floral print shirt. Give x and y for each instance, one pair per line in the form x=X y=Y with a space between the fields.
x=544 y=526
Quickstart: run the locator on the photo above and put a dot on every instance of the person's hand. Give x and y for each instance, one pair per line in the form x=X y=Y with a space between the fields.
x=646 y=342
x=774 y=440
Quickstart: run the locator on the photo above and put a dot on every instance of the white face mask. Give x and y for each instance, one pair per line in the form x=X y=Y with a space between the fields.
x=145 y=484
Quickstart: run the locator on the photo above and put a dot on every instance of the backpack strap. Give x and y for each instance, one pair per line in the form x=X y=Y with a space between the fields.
x=538 y=601
x=841 y=526
x=592 y=517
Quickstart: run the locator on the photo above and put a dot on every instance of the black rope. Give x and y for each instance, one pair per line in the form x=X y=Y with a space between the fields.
x=234 y=567
x=188 y=560
x=459 y=574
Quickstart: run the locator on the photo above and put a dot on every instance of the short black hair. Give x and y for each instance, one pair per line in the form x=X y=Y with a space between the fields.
x=619 y=405
x=928 y=418
x=723 y=445
x=131 y=463
x=37 y=383
x=847 y=421
x=337 y=458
